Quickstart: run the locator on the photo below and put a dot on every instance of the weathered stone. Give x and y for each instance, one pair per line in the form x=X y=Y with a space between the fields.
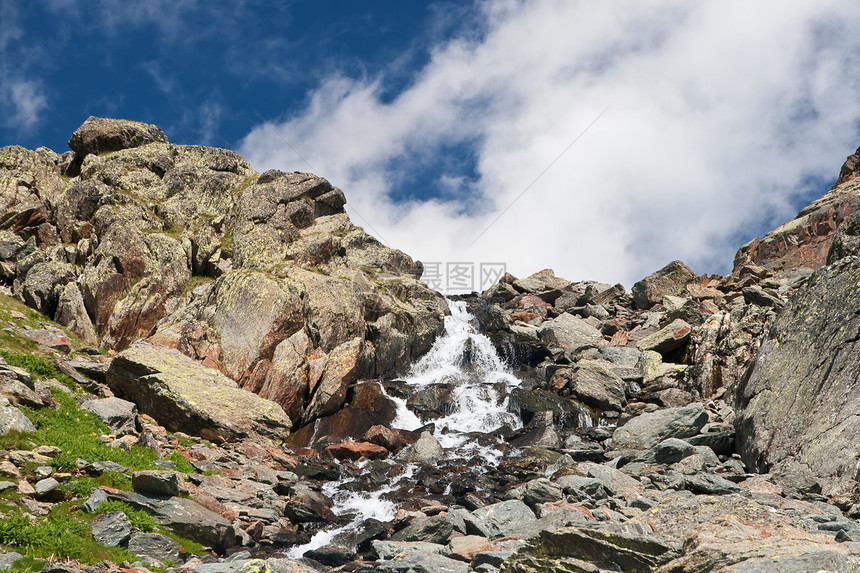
x=595 y=385
x=101 y=135
x=157 y=482
x=503 y=518
x=670 y=280
x=797 y=401
x=570 y=334
x=48 y=489
x=430 y=529
x=72 y=313
x=191 y=398
x=647 y=430
x=669 y=338
x=421 y=562
x=386 y=549
x=184 y=516
x=96 y=498
x=155 y=546
x=112 y=529
x=356 y=450
x=120 y=415
x=12 y=419
x=8 y=558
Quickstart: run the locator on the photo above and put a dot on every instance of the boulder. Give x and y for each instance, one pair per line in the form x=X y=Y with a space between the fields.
x=188 y=397
x=669 y=338
x=670 y=280
x=570 y=333
x=426 y=450
x=596 y=385
x=503 y=518
x=798 y=399
x=155 y=546
x=102 y=135
x=12 y=419
x=647 y=430
x=157 y=482
x=112 y=529
x=120 y=415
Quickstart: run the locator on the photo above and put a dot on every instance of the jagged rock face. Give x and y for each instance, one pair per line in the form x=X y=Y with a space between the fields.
x=799 y=399
x=806 y=240
x=262 y=277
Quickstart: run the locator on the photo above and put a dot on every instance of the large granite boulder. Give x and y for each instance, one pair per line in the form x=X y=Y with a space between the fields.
x=671 y=280
x=189 y=397
x=799 y=400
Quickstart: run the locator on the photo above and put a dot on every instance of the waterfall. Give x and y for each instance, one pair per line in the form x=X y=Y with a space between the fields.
x=466 y=362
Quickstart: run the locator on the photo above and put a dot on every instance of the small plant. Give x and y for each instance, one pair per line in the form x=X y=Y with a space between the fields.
x=182 y=464
x=137 y=517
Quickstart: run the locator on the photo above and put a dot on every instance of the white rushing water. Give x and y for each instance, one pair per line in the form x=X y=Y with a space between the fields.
x=466 y=362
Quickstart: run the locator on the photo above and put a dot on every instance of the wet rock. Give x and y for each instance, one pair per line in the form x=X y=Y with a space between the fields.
x=356 y=450
x=425 y=450
x=540 y=433
x=191 y=398
x=670 y=280
x=101 y=135
x=120 y=415
x=647 y=430
x=155 y=546
x=331 y=555
x=157 y=482
x=112 y=529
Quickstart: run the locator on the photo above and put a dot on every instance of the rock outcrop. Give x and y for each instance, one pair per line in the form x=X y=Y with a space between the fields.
x=799 y=400
x=262 y=277
x=806 y=240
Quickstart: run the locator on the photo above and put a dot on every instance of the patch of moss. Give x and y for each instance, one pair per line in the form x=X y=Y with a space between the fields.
x=191 y=547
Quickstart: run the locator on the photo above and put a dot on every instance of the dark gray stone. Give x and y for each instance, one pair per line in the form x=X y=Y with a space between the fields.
x=157 y=482
x=120 y=415
x=112 y=529
x=155 y=546
x=647 y=430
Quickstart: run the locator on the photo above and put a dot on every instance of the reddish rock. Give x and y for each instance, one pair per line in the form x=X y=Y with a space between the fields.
x=533 y=300
x=524 y=316
x=392 y=439
x=356 y=450
x=50 y=337
x=850 y=168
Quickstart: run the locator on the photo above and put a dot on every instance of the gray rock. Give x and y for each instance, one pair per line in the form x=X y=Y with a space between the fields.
x=647 y=430
x=721 y=440
x=157 y=482
x=97 y=497
x=503 y=518
x=386 y=549
x=670 y=280
x=120 y=415
x=671 y=337
x=331 y=554
x=17 y=391
x=798 y=400
x=429 y=529
x=189 y=397
x=425 y=450
x=667 y=452
x=597 y=386
x=155 y=546
x=710 y=484
x=184 y=516
x=582 y=487
x=4 y=485
x=48 y=489
x=420 y=562
x=112 y=529
x=570 y=334
x=541 y=490
x=7 y=559
x=12 y=419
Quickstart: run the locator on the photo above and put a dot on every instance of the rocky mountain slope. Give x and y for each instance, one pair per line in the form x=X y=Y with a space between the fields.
x=227 y=359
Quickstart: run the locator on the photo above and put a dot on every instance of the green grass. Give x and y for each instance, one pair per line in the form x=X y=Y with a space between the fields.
x=27 y=565
x=182 y=464
x=137 y=517
x=81 y=486
x=190 y=547
x=77 y=432
x=38 y=366
x=58 y=535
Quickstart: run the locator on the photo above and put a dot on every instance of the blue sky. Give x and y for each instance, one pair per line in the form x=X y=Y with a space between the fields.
x=447 y=122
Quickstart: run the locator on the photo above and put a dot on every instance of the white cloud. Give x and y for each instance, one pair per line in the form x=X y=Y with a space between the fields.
x=716 y=113
x=27 y=101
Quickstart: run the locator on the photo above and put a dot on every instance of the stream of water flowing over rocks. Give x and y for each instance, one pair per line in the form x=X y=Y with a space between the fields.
x=465 y=363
